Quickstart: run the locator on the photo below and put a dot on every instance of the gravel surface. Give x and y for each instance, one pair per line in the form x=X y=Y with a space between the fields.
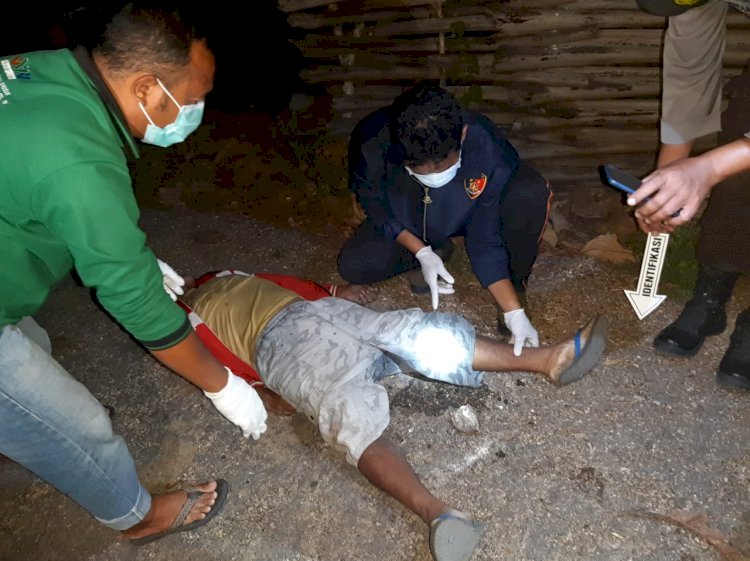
x=591 y=471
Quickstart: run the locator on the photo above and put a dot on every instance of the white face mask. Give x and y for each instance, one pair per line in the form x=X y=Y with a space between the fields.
x=436 y=180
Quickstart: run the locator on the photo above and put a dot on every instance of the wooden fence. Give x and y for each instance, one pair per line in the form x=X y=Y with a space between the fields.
x=573 y=83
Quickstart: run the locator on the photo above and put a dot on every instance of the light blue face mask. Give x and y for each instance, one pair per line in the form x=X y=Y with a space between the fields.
x=437 y=180
x=188 y=119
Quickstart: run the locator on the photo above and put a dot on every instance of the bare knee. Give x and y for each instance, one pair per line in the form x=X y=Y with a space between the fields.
x=377 y=451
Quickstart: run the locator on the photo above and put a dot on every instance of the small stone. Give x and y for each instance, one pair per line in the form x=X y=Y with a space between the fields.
x=465 y=419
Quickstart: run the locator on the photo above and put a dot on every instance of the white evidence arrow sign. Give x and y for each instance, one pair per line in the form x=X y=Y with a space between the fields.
x=644 y=300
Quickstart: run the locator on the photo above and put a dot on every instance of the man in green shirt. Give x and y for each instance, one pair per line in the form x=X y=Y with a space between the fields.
x=67 y=122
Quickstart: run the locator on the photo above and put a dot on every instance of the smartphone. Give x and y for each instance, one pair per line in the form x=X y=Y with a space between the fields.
x=619 y=179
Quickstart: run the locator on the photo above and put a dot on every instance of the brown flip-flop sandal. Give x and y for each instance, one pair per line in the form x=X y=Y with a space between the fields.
x=222 y=488
x=586 y=356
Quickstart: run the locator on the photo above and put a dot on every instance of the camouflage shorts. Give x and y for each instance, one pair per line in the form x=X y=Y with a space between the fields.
x=325 y=358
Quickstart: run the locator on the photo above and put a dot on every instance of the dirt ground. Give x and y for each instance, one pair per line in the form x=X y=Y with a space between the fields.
x=645 y=458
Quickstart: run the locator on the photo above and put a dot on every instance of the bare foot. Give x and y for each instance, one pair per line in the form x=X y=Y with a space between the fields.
x=167 y=506
x=358 y=293
x=565 y=367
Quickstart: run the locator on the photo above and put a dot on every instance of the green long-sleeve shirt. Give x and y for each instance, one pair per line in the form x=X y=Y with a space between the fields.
x=66 y=199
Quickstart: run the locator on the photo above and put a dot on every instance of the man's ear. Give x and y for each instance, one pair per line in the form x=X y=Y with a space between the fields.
x=146 y=90
x=463 y=132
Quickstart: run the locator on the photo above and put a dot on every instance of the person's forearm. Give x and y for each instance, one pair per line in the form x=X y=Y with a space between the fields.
x=673 y=152
x=194 y=362
x=727 y=160
x=410 y=241
x=505 y=295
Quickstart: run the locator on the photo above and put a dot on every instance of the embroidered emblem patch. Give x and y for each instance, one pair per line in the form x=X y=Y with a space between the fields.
x=474 y=187
x=21 y=68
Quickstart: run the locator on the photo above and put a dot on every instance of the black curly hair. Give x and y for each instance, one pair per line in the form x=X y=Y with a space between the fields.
x=427 y=123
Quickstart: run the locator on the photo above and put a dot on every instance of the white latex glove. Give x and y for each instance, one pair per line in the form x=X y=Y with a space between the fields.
x=432 y=267
x=173 y=282
x=240 y=403
x=523 y=333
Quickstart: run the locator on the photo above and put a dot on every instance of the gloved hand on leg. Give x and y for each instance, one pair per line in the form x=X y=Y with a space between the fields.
x=432 y=267
x=523 y=333
x=173 y=282
x=240 y=403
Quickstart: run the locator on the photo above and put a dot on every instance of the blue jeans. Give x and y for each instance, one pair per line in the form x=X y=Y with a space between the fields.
x=52 y=425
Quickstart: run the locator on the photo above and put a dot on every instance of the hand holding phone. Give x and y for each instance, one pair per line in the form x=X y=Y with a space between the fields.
x=618 y=179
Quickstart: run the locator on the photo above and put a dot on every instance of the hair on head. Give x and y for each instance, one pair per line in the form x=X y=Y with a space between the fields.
x=146 y=39
x=428 y=123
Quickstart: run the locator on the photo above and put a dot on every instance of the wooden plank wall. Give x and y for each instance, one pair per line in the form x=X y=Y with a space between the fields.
x=574 y=83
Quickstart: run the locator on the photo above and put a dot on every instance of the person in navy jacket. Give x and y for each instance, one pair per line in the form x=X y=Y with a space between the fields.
x=426 y=169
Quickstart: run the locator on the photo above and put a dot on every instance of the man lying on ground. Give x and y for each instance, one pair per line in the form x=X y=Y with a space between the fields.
x=324 y=356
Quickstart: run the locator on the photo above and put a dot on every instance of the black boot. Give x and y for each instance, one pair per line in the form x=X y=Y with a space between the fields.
x=702 y=316
x=734 y=369
x=416 y=280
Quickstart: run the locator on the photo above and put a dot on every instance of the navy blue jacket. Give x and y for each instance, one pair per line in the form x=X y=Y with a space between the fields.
x=468 y=206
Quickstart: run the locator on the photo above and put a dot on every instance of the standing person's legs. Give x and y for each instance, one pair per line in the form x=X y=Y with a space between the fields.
x=53 y=426
x=726 y=248
x=723 y=253
x=704 y=314
x=722 y=246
